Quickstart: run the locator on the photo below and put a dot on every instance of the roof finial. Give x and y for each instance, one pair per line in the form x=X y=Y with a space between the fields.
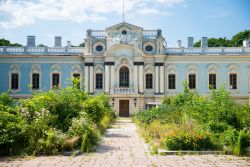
x=123 y=6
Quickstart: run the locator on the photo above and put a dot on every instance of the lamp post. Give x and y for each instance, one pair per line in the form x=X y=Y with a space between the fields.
x=113 y=102
x=135 y=101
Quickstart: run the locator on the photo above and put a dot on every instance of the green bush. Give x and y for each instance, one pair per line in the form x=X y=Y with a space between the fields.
x=218 y=114
x=54 y=121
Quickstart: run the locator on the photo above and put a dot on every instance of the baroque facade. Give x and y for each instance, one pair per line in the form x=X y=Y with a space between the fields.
x=132 y=65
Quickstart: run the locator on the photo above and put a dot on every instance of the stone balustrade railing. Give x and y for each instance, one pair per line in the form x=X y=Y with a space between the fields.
x=79 y=50
x=209 y=51
x=41 y=50
x=149 y=33
x=98 y=33
x=123 y=90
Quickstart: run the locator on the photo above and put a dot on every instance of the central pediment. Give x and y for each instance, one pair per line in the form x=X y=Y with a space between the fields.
x=124 y=24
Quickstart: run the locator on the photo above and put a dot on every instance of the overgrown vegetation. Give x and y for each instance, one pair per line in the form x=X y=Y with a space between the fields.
x=190 y=121
x=53 y=122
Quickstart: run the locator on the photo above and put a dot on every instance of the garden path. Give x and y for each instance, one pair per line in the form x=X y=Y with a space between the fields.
x=122 y=146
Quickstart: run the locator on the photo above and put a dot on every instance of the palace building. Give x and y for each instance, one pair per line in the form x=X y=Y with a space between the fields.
x=132 y=65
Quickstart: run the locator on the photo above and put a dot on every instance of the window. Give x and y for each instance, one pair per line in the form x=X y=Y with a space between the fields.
x=212 y=81
x=233 y=81
x=14 y=81
x=99 y=81
x=55 y=80
x=76 y=80
x=99 y=48
x=171 y=81
x=124 y=77
x=35 y=81
x=149 y=81
x=192 y=81
x=124 y=32
x=149 y=48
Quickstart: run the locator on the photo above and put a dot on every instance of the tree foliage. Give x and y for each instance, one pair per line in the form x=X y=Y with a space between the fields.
x=4 y=42
x=236 y=41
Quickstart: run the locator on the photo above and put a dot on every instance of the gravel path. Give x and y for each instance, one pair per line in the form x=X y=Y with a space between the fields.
x=122 y=146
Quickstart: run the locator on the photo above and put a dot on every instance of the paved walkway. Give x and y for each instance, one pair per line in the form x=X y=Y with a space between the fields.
x=122 y=146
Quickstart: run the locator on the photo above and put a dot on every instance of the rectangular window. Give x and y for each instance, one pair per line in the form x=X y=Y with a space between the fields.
x=192 y=81
x=55 y=80
x=99 y=81
x=233 y=81
x=14 y=81
x=76 y=81
x=171 y=81
x=149 y=81
x=35 y=81
x=212 y=81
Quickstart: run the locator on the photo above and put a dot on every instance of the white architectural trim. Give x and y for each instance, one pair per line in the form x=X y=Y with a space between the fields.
x=101 y=44
x=15 y=68
x=233 y=69
x=193 y=69
x=76 y=69
x=171 y=69
x=212 y=69
x=35 y=69
x=55 y=69
x=151 y=44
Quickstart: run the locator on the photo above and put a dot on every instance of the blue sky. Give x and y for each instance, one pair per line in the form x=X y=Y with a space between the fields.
x=70 y=18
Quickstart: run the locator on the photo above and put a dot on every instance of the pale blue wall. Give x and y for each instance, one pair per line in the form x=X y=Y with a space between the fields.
x=25 y=76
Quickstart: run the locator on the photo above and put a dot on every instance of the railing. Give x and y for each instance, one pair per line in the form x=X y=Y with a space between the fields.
x=149 y=33
x=41 y=50
x=98 y=33
x=209 y=51
x=123 y=90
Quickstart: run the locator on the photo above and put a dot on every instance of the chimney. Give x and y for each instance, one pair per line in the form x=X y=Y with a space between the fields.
x=190 y=43
x=246 y=43
x=89 y=33
x=68 y=44
x=159 y=33
x=58 y=41
x=204 y=43
x=31 y=41
x=179 y=44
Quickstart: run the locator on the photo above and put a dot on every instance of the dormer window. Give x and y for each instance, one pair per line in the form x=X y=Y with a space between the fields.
x=124 y=32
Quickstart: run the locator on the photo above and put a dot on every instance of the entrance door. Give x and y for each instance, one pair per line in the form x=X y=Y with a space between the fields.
x=124 y=108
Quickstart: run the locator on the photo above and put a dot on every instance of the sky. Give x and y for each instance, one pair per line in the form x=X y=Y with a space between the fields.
x=70 y=19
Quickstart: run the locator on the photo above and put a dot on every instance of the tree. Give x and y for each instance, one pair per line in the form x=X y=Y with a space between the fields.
x=82 y=45
x=4 y=42
x=41 y=45
x=238 y=39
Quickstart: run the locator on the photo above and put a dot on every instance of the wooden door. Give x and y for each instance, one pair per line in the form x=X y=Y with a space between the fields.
x=124 y=108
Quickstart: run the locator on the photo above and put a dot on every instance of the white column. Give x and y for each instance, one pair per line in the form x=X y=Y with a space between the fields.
x=156 y=79
x=140 y=78
x=112 y=79
x=86 y=78
x=91 y=79
x=107 y=78
x=135 y=78
x=162 y=79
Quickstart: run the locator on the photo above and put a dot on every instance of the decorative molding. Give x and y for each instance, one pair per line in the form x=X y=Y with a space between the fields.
x=89 y=64
x=159 y=64
x=97 y=44
x=109 y=63
x=15 y=68
x=138 y=63
x=147 y=44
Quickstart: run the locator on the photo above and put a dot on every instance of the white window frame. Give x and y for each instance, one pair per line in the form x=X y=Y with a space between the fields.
x=171 y=69
x=193 y=69
x=15 y=69
x=233 y=69
x=149 y=69
x=35 y=69
x=212 y=69
x=99 y=69
x=56 y=69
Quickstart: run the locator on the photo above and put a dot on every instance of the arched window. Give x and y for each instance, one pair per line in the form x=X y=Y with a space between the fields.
x=124 y=77
x=35 y=81
x=76 y=80
x=149 y=81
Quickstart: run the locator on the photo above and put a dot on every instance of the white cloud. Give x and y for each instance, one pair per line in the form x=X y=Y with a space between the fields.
x=26 y=12
x=148 y=11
